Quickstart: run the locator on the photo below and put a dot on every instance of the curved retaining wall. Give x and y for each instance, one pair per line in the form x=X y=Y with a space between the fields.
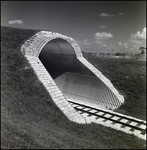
x=31 y=50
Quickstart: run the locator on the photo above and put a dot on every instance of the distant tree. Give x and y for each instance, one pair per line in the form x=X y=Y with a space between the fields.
x=118 y=54
x=142 y=50
x=123 y=54
x=137 y=56
x=102 y=54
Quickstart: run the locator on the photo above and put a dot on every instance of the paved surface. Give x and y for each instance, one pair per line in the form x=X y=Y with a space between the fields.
x=87 y=89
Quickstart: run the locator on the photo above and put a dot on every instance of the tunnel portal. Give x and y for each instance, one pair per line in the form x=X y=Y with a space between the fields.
x=74 y=79
x=58 y=63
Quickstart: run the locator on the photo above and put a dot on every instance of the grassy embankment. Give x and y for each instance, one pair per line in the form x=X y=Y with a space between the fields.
x=129 y=78
x=30 y=119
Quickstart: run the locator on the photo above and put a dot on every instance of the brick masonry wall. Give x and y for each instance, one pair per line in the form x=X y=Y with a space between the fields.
x=31 y=50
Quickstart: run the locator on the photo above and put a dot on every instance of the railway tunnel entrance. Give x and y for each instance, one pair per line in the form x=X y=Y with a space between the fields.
x=58 y=57
x=74 y=79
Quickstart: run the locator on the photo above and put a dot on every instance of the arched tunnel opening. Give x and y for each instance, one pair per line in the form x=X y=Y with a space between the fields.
x=58 y=57
x=74 y=79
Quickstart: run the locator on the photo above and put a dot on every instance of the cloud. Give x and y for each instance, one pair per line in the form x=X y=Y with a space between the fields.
x=104 y=45
x=134 y=42
x=103 y=35
x=101 y=38
x=111 y=48
x=121 y=14
x=86 y=42
x=15 y=22
x=139 y=35
x=99 y=41
x=79 y=42
x=123 y=44
x=102 y=26
x=119 y=43
x=137 y=40
x=106 y=15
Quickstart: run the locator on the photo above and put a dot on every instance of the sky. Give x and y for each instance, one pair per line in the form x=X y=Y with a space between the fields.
x=97 y=26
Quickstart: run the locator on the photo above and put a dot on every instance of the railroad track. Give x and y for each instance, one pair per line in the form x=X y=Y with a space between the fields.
x=112 y=119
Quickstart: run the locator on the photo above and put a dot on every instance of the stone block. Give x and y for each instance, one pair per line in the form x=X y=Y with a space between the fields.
x=142 y=126
x=133 y=123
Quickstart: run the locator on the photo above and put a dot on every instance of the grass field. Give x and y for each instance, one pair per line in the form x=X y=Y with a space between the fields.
x=30 y=119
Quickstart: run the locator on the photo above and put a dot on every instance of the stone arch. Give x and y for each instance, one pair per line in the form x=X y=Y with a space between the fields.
x=31 y=50
x=38 y=41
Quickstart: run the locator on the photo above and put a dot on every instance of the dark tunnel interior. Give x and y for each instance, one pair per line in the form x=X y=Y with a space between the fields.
x=58 y=57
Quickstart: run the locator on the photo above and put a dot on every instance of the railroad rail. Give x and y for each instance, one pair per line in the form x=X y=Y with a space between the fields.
x=124 y=123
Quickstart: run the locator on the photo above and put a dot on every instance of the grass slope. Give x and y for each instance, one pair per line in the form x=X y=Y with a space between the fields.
x=129 y=78
x=30 y=119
